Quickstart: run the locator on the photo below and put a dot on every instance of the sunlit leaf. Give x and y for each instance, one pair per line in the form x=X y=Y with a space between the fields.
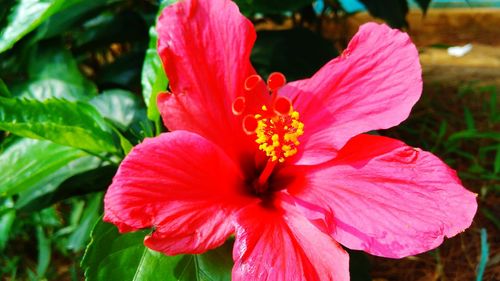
x=153 y=78
x=25 y=16
x=73 y=124
x=48 y=183
x=29 y=163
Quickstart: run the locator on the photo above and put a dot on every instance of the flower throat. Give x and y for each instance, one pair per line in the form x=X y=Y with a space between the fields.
x=274 y=123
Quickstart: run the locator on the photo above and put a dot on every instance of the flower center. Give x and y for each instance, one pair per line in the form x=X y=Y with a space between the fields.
x=277 y=135
x=271 y=119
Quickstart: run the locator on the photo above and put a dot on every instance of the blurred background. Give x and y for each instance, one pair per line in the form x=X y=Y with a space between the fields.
x=80 y=63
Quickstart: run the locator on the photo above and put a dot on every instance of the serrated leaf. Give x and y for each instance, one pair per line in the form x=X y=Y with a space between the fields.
x=25 y=16
x=113 y=256
x=75 y=124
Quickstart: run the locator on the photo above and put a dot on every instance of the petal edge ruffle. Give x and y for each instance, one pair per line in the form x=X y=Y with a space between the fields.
x=388 y=199
x=372 y=85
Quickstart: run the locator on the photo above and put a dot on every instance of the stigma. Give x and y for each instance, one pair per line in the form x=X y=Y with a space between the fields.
x=274 y=122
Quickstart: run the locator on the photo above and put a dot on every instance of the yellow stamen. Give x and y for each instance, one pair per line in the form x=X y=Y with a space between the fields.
x=278 y=135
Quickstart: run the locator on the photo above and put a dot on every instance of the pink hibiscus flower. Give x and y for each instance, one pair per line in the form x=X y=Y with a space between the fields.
x=285 y=168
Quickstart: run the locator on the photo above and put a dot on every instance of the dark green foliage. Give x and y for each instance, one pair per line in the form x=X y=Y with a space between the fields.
x=424 y=4
x=111 y=256
x=249 y=7
x=393 y=11
x=298 y=53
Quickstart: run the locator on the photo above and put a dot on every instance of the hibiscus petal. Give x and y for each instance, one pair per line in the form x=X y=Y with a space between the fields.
x=205 y=48
x=280 y=244
x=387 y=198
x=372 y=85
x=183 y=186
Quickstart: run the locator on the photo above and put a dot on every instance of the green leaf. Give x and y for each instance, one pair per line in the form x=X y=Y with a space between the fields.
x=467 y=134
x=392 y=11
x=87 y=182
x=29 y=163
x=4 y=91
x=52 y=182
x=54 y=73
x=496 y=164
x=68 y=16
x=44 y=251
x=7 y=217
x=120 y=107
x=126 y=111
x=111 y=256
x=108 y=28
x=75 y=124
x=81 y=235
x=25 y=16
x=153 y=78
x=469 y=120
